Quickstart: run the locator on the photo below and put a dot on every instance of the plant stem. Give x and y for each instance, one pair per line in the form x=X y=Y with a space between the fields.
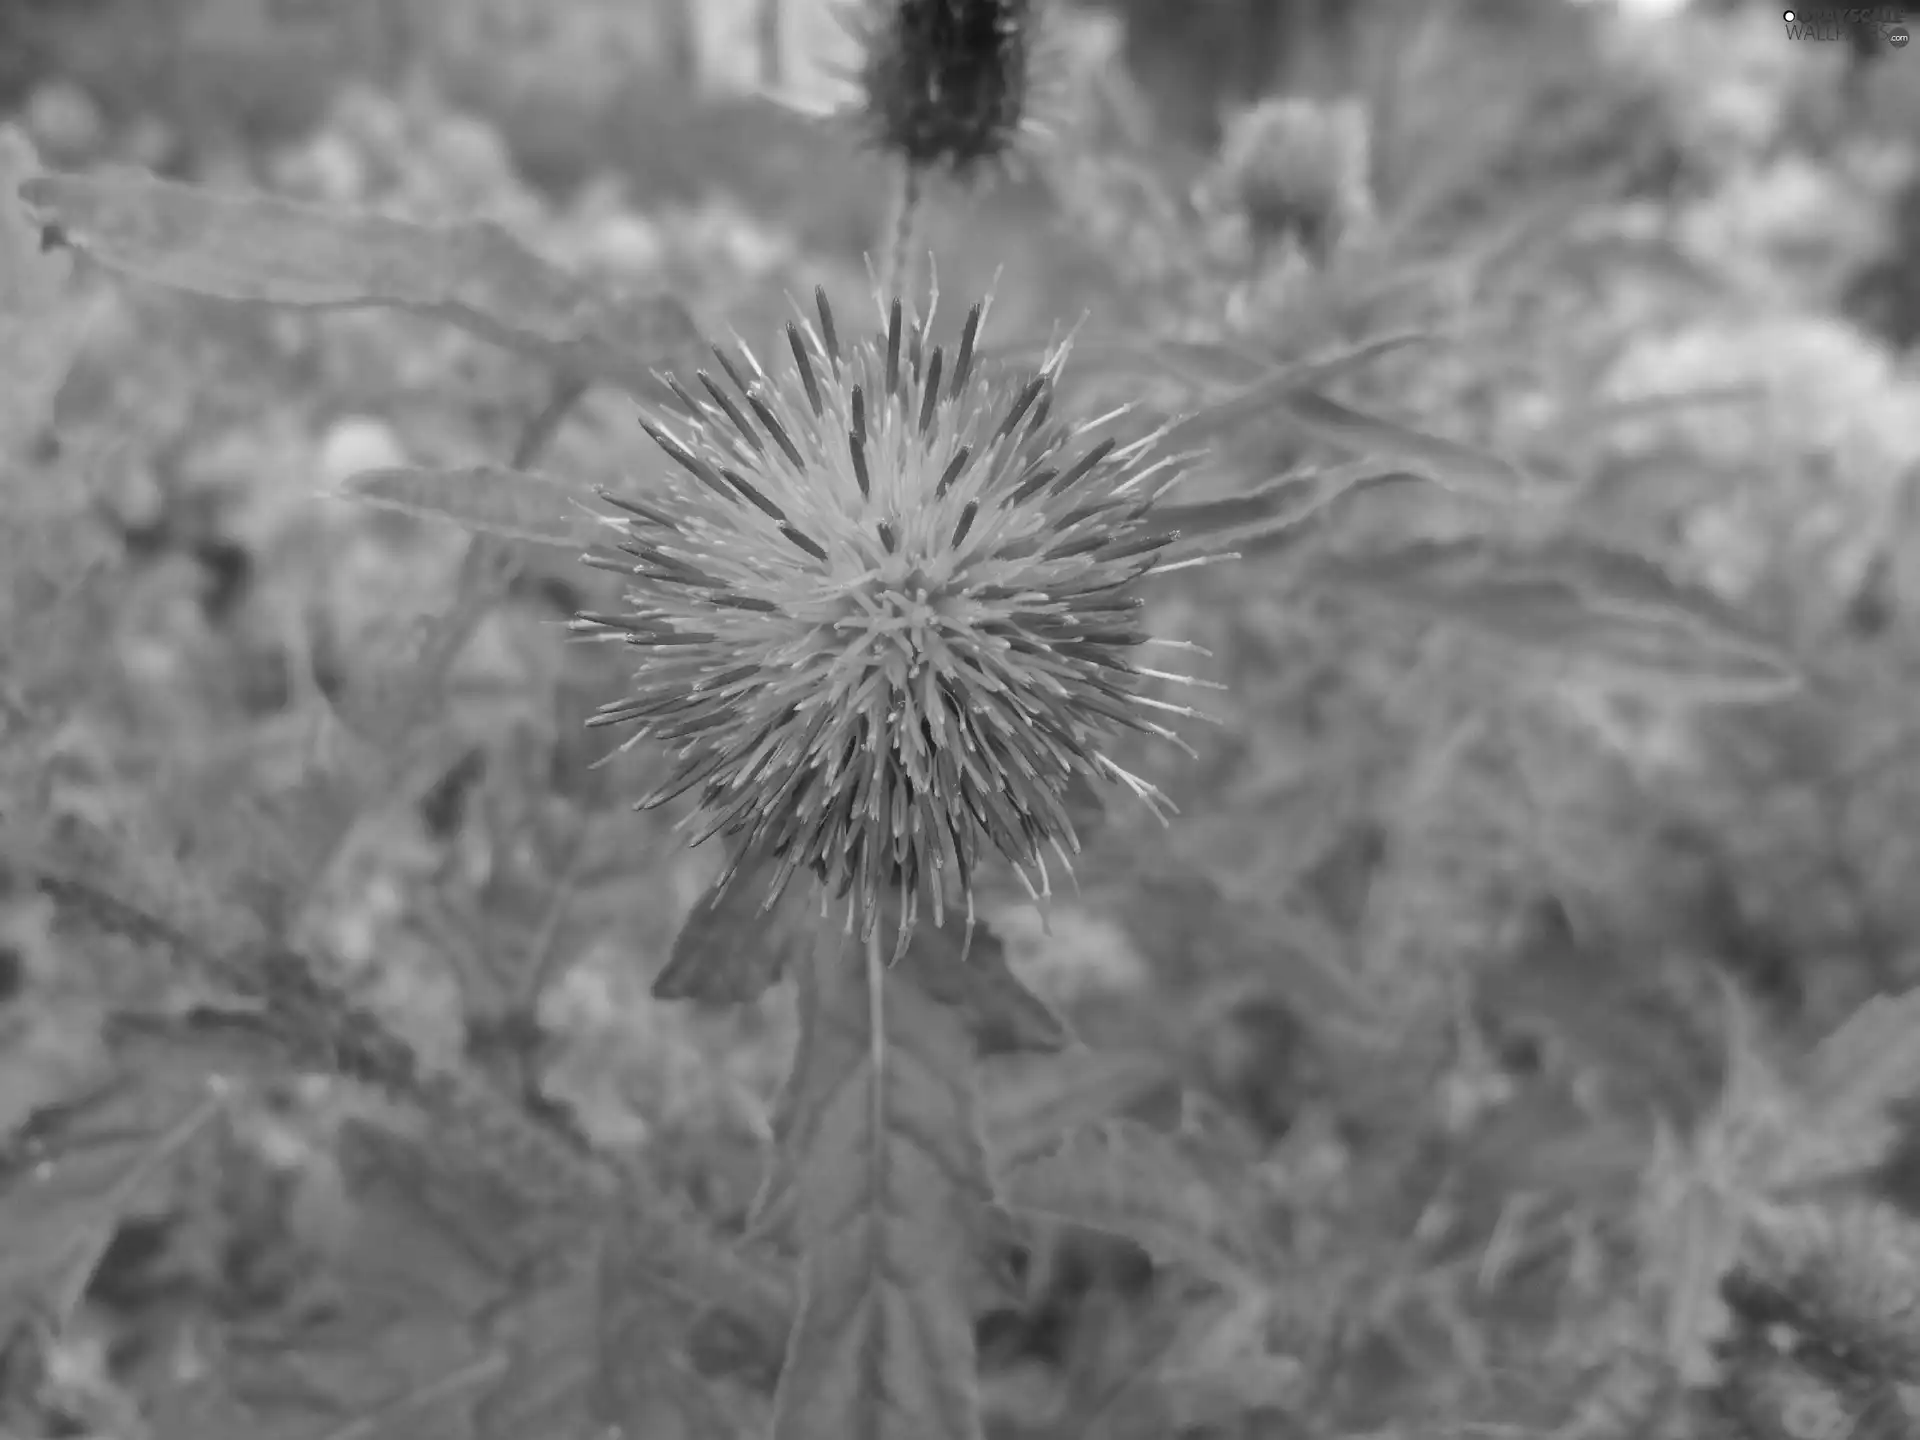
x=897 y=275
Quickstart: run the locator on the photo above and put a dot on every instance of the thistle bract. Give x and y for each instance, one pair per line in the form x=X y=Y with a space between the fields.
x=888 y=609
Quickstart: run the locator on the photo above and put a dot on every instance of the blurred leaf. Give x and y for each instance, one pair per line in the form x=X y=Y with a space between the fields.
x=1193 y=933
x=1271 y=514
x=396 y=686
x=1269 y=395
x=1690 y=1234
x=37 y=342
x=1028 y=1102
x=1456 y=467
x=425 y=1232
x=549 y=1339
x=1607 y=613
x=361 y=1374
x=1129 y=1180
x=665 y=1249
x=890 y=1186
x=1002 y=1014
x=510 y=504
x=437 y=1405
x=729 y=950
x=79 y=1169
x=1585 y=424
x=1848 y=1087
x=256 y=247
x=641 y=1381
x=1851 y=1271
x=1218 y=1366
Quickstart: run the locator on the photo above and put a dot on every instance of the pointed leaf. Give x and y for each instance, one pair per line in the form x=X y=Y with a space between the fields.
x=255 y=247
x=1604 y=612
x=890 y=1188
x=1129 y=1180
x=486 y=499
x=1456 y=467
x=80 y=1168
x=729 y=950
x=1273 y=510
x=1265 y=397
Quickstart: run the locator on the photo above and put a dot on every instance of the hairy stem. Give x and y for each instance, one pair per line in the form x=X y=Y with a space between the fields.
x=896 y=275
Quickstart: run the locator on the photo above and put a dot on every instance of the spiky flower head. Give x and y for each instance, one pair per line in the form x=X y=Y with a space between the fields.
x=948 y=85
x=887 y=606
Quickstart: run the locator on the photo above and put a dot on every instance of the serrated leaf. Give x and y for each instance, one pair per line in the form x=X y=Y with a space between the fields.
x=1270 y=514
x=1609 y=614
x=729 y=950
x=1129 y=1180
x=890 y=1187
x=1459 y=468
x=256 y=247
x=37 y=341
x=1028 y=1102
x=973 y=977
x=486 y=499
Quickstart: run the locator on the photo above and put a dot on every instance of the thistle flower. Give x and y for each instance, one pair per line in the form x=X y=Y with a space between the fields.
x=888 y=608
x=947 y=84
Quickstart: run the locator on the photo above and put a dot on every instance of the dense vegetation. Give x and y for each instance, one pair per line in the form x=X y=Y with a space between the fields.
x=1510 y=1030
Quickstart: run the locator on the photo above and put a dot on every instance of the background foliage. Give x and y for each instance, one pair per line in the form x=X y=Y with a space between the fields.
x=1508 y=1037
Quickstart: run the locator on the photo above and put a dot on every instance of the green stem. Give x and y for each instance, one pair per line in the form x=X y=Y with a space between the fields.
x=896 y=276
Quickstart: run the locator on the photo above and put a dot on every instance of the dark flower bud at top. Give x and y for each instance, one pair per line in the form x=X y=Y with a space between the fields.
x=946 y=84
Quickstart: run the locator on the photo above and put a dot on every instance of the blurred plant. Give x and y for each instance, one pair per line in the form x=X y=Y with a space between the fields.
x=1345 y=1150
x=1055 y=529
x=1296 y=170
